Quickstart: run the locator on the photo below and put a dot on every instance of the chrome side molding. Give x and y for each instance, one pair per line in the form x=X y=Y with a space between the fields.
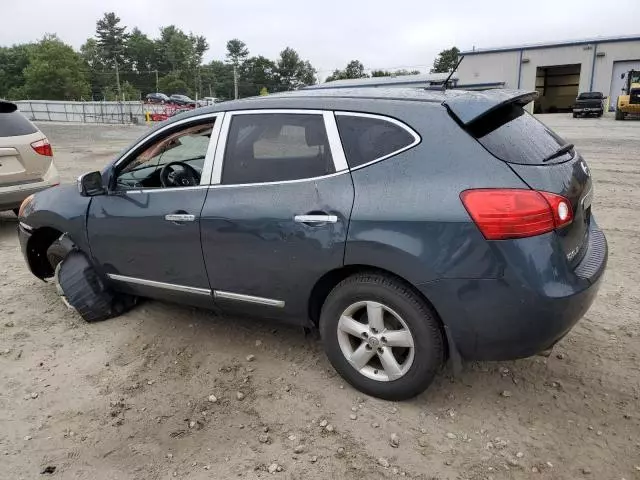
x=240 y=297
x=162 y=285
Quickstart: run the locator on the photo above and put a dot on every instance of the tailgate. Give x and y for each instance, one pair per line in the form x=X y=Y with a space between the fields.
x=19 y=163
x=572 y=180
x=544 y=161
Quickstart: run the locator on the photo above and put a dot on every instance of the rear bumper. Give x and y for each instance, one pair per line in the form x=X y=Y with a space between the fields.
x=588 y=109
x=12 y=196
x=514 y=317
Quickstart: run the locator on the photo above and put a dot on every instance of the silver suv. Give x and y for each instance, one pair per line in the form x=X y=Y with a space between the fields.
x=26 y=158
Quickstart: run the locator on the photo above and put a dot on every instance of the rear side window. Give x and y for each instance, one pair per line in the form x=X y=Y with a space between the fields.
x=273 y=147
x=14 y=124
x=515 y=136
x=368 y=138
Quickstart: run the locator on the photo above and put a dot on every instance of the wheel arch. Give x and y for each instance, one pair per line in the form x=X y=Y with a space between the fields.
x=329 y=280
x=37 y=248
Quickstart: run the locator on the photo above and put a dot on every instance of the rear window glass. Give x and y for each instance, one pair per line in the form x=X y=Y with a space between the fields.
x=15 y=124
x=365 y=139
x=515 y=136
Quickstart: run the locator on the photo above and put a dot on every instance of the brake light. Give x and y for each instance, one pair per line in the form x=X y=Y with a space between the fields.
x=515 y=213
x=43 y=147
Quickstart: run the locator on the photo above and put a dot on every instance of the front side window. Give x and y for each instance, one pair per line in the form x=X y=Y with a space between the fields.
x=366 y=139
x=273 y=147
x=174 y=160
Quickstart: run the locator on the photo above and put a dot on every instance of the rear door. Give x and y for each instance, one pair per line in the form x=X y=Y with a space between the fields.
x=277 y=219
x=19 y=161
x=527 y=145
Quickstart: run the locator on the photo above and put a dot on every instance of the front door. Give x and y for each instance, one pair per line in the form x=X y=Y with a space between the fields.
x=145 y=233
x=277 y=221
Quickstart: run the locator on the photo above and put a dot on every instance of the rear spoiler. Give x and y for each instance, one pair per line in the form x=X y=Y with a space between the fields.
x=7 y=107
x=468 y=107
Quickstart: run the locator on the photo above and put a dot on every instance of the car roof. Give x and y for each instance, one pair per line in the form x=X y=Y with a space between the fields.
x=466 y=105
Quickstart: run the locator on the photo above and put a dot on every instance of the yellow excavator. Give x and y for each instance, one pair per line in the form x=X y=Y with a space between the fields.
x=629 y=101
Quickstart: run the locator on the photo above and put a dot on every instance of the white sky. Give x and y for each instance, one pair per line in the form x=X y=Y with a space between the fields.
x=329 y=33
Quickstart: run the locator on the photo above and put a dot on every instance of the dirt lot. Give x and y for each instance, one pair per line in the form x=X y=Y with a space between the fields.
x=129 y=398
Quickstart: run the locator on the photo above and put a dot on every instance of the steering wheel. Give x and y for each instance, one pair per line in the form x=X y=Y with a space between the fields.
x=184 y=176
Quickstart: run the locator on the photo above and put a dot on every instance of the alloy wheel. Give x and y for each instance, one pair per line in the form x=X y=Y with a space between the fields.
x=376 y=341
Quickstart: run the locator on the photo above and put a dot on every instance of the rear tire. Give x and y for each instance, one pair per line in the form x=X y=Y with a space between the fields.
x=408 y=341
x=619 y=115
x=575 y=115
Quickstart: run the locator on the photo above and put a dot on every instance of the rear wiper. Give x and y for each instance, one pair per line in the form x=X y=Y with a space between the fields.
x=561 y=151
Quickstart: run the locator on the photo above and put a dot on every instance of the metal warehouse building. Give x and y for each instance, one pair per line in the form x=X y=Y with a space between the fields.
x=558 y=71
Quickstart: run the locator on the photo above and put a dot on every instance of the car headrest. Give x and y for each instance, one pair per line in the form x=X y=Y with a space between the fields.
x=314 y=136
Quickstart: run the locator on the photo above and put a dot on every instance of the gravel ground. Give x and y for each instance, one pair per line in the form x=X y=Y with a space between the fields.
x=167 y=391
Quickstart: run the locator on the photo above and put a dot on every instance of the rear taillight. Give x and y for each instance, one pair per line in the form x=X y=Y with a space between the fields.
x=514 y=213
x=43 y=147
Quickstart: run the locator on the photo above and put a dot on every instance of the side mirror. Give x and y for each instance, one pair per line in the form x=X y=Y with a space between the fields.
x=90 y=184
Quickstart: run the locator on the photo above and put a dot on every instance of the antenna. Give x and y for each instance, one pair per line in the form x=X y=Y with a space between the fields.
x=444 y=85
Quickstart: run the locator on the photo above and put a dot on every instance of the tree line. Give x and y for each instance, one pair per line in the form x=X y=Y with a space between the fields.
x=122 y=63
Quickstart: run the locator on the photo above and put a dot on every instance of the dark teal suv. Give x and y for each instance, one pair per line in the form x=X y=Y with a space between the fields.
x=408 y=226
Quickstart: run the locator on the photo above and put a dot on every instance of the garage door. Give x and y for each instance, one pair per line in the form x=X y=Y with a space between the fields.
x=617 y=83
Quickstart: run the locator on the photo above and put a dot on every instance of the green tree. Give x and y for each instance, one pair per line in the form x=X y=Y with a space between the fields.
x=111 y=39
x=140 y=52
x=397 y=73
x=257 y=73
x=446 y=60
x=293 y=72
x=99 y=76
x=175 y=49
x=354 y=69
x=173 y=83
x=13 y=61
x=217 y=79
x=237 y=52
x=55 y=72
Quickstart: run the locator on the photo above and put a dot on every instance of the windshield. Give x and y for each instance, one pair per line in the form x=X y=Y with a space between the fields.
x=590 y=96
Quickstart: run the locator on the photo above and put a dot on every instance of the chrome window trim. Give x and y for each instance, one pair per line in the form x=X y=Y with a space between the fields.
x=240 y=297
x=416 y=137
x=160 y=189
x=162 y=285
x=340 y=165
x=279 y=182
x=208 y=159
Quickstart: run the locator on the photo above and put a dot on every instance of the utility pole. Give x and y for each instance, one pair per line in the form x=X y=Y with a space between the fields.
x=156 y=80
x=117 y=78
x=235 y=82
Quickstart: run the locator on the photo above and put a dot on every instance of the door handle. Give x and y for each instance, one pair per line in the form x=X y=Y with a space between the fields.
x=315 y=219
x=179 y=217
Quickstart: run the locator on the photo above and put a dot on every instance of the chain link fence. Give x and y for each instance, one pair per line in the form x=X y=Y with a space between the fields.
x=87 y=112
